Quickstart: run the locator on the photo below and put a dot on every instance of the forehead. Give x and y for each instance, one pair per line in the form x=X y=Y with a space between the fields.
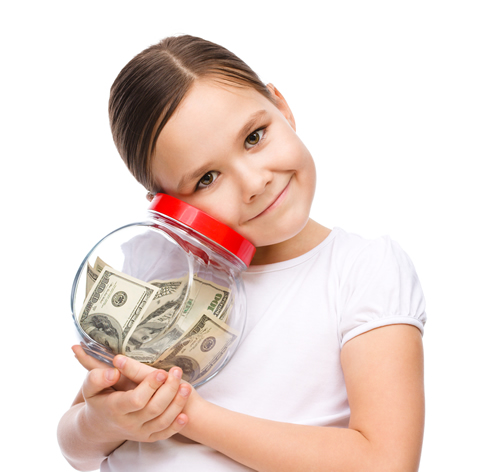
x=209 y=105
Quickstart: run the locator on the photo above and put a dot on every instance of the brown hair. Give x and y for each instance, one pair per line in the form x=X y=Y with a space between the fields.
x=150 y=87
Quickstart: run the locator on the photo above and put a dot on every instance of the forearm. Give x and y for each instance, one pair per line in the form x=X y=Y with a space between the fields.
x=266 y=445
x=383 y=370
x=78 y=441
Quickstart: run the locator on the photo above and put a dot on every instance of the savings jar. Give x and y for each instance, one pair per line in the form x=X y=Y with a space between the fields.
x=166 y=291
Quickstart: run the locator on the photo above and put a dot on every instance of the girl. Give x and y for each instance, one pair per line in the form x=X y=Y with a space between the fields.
x=329 y=375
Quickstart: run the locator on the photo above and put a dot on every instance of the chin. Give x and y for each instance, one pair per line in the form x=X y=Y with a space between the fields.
x=285 y=232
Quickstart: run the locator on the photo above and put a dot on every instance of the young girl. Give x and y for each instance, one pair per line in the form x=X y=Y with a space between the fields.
x=329 y=374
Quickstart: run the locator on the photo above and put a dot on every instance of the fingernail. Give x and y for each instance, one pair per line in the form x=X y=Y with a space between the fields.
x=161 y=376
x=110 y=374
x=120 y=361
x=181 y=420
x=177 y=373
x=185 y=391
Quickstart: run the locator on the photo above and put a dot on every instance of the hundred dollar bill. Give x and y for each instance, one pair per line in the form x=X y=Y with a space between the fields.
x=113 y=307
x=99 y=264
x=93 y=273
x=160 y=314
x=205 y=297
x=201 y=347
x=170 y=293
x=91 y=278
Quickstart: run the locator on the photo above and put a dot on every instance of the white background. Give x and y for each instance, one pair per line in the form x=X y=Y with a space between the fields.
x=399 y=103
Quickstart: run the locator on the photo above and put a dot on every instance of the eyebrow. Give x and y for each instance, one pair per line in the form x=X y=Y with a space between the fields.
x=245 y=130
x=186 y=179
x=250 y=125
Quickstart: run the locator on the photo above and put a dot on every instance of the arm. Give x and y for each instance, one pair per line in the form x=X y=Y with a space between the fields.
x=383 y=371
x=102 y=418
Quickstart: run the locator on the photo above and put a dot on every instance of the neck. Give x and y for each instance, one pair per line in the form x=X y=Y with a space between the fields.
x=308 y=238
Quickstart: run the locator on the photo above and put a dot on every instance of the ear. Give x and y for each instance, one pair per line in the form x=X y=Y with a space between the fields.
x=282 y=105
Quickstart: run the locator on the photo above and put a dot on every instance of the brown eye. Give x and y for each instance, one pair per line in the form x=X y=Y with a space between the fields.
x=254 y=138
x=208 y=179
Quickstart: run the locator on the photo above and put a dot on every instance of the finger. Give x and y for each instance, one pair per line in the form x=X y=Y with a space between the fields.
x=167 y=395
x=138 y=398
x=172 y=420
x=132 y=369
x=98 y=380
x=87 y=361
x=175 y=427
x=90 y=363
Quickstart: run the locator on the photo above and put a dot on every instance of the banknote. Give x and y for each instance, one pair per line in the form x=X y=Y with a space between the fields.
x=201 y=348
x=161 y=322
x=205 y=297
x=91 y=278
x=113 y=307
x=93 y=273
x=160 y=314
x=99 y=264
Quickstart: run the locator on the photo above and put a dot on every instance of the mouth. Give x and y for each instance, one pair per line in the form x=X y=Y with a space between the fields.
x=276 y=202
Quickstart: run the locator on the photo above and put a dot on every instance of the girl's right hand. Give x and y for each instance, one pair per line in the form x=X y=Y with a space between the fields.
x=150 y=412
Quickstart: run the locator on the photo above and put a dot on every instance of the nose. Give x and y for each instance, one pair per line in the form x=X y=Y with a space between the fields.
x=253 y=180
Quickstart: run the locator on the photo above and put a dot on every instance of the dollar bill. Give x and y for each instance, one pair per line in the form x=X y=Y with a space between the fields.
x=99 y=264
x=160 y=314
x=200 y=348
x=113 y=307
x=162 y=322
x=93 y=273
x=91 y=278
x=204 y=297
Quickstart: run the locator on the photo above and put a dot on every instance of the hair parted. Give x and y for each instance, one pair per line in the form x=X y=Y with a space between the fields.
x=151 y=86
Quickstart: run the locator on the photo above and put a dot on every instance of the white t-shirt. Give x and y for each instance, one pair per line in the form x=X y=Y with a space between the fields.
x=287 y=368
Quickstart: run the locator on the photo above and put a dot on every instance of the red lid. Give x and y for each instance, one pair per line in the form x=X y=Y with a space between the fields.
x=204 y=224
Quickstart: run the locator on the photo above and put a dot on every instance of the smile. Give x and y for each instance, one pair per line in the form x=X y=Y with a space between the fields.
x=276 y=202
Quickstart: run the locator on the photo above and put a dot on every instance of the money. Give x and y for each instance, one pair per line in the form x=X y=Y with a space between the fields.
x=162 y=322
x=114 y=306
x=160 y=315
x=204 y=297
x=93 y=273
x=99 y=265
x=200 y=349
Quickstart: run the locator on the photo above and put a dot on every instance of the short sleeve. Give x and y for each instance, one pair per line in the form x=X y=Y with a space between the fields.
x=379 y=287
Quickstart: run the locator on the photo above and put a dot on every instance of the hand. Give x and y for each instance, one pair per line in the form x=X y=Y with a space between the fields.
x=149 y=412
x=124 y=383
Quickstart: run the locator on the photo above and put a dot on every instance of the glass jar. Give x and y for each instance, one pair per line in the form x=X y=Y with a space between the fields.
x=166 y=291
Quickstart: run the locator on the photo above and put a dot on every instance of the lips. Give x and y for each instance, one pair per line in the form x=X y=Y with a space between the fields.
x=276 y=202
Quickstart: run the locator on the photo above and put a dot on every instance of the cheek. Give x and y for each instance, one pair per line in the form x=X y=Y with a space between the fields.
x=293 y=152
x=220 y=206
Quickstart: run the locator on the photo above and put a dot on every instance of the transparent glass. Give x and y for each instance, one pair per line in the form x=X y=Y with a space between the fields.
x=159 y=292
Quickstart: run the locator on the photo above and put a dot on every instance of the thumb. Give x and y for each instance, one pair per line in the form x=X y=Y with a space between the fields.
x=87 y=361
x=98 y=380
x=132 y=369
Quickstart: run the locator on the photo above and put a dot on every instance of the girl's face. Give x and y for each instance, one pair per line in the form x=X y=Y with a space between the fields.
x=232 y=153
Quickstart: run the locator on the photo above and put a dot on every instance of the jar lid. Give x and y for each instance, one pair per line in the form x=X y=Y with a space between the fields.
x=204 y=224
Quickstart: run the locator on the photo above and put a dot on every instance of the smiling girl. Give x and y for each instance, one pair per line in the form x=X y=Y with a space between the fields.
x=329 y=374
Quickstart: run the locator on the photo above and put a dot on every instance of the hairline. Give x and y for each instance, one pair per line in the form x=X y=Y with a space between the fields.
x=214 y=77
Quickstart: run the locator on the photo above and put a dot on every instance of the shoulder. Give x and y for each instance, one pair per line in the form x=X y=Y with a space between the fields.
x=352 y=247
x=357 y=258
x=377 y=284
